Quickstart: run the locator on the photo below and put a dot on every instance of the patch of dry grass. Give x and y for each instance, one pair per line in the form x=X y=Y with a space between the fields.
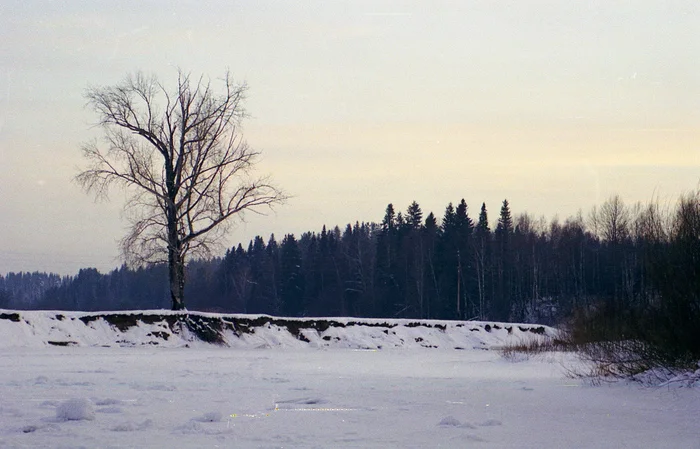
x=525 y=348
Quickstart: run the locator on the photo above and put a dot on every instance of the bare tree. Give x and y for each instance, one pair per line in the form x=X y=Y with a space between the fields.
x=181 y=158
x=613 y=220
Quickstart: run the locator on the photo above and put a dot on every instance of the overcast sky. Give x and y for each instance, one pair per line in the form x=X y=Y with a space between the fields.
x=554 y=105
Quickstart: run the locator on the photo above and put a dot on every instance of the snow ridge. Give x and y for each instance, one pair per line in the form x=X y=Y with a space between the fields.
x=186 y=329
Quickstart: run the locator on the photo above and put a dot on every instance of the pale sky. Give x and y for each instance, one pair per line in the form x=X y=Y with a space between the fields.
x=554 y=105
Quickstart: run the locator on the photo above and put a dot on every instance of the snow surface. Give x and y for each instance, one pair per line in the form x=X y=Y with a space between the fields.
x=293 y=394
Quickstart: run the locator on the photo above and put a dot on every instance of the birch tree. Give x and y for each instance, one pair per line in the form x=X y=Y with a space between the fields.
x=181 y=158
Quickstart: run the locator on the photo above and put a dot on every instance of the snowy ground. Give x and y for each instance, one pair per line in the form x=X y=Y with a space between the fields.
x=156 y=397
x=149 y=379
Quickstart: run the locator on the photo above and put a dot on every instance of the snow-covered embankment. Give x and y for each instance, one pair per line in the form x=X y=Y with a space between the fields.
x=178 y=329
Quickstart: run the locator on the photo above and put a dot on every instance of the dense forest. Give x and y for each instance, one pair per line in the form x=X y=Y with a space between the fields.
x=457 y=266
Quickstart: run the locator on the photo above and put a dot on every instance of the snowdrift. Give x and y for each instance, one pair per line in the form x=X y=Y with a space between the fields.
x=181 y=329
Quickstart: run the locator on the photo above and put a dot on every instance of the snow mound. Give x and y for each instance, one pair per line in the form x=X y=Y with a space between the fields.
x=75 y=410
x=664 y=377
x=451 y=421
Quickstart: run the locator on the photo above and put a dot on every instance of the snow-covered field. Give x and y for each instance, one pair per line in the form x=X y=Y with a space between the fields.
x=290 y=396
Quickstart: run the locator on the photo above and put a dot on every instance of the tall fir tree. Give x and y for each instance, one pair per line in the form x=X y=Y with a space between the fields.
x=388 y=290
x=431 y=234
x=482 y=262
x=466 y=277
x=411 y=261
x=291 y=277
x=414 y=216
x=504 y=264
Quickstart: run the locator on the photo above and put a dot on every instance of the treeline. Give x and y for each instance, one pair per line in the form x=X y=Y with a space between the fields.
x=411 y=266
x=26 y=290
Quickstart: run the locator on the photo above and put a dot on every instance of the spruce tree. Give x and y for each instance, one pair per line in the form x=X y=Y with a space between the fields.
x=388 y=290
x=430 y=233
x=504 y=263
x=412 y=259
x=291 y=277
x=414 y=216
x=448 y=266
x=466 y=277
x=482 y=261
x=389 y=221
x=272 y=277
x=259 y=301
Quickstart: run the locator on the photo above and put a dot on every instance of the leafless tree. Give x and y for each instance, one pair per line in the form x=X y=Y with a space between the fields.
x=612 y=220
x=180 y=156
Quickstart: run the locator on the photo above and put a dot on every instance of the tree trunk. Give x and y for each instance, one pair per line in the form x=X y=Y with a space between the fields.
x=176 y=271
x=176 y=261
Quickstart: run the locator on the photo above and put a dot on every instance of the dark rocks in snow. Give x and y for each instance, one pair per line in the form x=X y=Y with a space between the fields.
x=10 y=316
x=218 y=328
x=62 y=343
x=161 y=335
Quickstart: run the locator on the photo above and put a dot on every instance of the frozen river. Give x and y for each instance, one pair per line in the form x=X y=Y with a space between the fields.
x=315 y=398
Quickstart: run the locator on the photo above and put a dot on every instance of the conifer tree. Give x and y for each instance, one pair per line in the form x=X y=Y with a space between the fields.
x=430 y=234
x=482 y=245
x=291 y=277
x=448 y=266
x=259 y=301
x=504 y=264
x=414 y=216
x=272 y=275
x=466 y=283
x=412 y=260
x=388 y=289
x=235 y=280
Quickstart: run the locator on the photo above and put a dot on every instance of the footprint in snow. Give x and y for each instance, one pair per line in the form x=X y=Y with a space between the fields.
x=276 y=380
x=13 y=412
x=41 y=380
x=49 y=404
x=112 y=409
x=153 y=387
x=107 y=401
x=292 y=403
x=30 y=428
x=491 y=423
x=131 y=427
x=451 y=421
x=210 y=417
